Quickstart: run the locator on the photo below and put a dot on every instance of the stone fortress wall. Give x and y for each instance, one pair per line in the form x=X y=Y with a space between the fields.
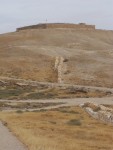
x=80 y=26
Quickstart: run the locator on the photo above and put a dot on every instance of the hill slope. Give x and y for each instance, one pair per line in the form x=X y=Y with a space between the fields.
x=31 y=54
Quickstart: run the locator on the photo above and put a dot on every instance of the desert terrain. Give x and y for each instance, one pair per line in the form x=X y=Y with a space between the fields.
x=31 y=54
x=66 y=128
x=46 y=74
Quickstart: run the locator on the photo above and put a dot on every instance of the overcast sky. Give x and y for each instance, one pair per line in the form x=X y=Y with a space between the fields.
x=16 y=13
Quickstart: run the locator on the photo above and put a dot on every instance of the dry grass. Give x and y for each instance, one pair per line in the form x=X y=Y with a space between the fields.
x=60 y=129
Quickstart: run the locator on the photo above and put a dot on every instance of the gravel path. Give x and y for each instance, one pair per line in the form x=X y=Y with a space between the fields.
x=73 y=102
x=8 y=141
x=65 y=102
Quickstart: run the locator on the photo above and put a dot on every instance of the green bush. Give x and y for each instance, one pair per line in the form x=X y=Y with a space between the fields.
x=75 y=122
x=19 y=111
x=7 y=93
x=40 y=95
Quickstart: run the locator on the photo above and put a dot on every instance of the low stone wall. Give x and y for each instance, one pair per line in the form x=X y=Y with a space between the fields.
x=103 y=113
x=81 y=26
x=58 y=67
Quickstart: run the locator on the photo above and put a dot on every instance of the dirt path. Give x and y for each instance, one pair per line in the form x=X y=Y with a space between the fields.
x=8 y=141
x=65 y=102
x=73 y=102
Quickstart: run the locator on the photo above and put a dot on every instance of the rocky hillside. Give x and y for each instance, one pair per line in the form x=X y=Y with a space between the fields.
x=31 y=54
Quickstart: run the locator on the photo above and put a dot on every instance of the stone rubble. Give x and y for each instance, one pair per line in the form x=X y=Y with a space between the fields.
x=102 y=113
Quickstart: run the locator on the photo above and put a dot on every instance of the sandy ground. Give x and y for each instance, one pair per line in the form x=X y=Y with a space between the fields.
x=8 y=141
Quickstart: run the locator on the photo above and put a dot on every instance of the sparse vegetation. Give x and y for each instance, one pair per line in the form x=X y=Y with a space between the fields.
x=75 y=122
x=5 y=93
x=60 y=131
x=13 y=90
x=25 y=105
x=67 y=111
x=19 y=111
x=30 y=56
x=41 y=95
x=79 y=49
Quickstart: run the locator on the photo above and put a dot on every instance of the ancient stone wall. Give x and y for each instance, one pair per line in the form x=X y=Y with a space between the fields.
x=102 y=113
x=81 y=26
x=59 y=67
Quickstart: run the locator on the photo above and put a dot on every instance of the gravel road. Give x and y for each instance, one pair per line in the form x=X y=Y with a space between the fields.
x=8 y=141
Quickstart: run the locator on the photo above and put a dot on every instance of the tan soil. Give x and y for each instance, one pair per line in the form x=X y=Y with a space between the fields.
x=31 y=54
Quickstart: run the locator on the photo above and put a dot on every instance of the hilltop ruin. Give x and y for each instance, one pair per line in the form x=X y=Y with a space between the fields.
x=80 y=26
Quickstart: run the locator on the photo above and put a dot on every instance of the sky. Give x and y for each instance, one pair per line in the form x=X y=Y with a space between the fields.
x=18 y=13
